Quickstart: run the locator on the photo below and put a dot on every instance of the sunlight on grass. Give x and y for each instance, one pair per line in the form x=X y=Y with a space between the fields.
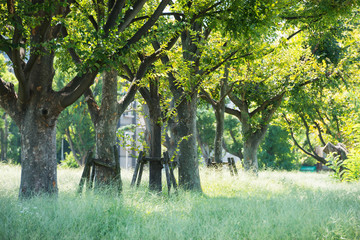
x=274 y=205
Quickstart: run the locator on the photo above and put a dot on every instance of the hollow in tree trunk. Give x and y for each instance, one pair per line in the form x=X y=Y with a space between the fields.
x=38 y=149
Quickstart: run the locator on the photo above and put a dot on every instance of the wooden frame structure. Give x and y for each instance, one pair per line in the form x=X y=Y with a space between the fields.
x=88 y=174
x=165 y=161
x=231 y=164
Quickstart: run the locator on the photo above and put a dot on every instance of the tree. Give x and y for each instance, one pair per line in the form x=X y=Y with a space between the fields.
x=74 y=124
x=192 y=65
x=317 y=112
x=260 y=89
x=275 y=152
x=106 y=117
x=31 y=35
x=205 y=130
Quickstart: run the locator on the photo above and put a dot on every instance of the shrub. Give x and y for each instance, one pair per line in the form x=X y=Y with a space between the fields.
x=69 y=161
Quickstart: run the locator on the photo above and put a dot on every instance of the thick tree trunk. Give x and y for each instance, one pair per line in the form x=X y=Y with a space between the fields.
x=189 y=177
x=250 y=155
x=155 y=150
x=153 y=109
x=38 y=151
x=251 y=146
x=170 y=140
x=105 y=140
x=105 y=130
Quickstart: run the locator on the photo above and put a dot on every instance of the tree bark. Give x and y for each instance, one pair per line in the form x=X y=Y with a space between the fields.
x=205 y=149
x=38 y=149
x=72 y=147
x=189 y=177
x=105 y=130
x=219 y=116
x=219 y=108
x=4 y=138
x=251 y=146
x=253 y=135
x=152 y=99
x=155 y=148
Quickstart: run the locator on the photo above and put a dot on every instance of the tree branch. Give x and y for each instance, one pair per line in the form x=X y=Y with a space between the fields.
x=233 y=112
x=72 y=51
x=19 y=64
x=145 y=28
x=206 y=96
x=320 y=159
x=8 y=100
x=203 y=12
x=307 y=131
x=76 y=87
x=205 y=72
x=238 y=102
x=130 y=14
x=127 y=99
x=267 y=103
x=163 y=14
x=323 y=121
x=114 y=14
x=93 y=107
x=319 y=131
x=302 y=17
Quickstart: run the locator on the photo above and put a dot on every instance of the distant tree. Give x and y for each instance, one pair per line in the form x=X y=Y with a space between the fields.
x=205 y=130
x=275 y=152
x=233 y=142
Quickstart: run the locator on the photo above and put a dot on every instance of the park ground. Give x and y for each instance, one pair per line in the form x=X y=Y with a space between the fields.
x=274 y=205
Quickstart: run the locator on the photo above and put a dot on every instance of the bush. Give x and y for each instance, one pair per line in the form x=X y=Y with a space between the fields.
x=69 y=161
x=352 y=165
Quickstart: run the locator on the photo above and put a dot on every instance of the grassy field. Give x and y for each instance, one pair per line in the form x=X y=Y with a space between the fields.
x=275 y=205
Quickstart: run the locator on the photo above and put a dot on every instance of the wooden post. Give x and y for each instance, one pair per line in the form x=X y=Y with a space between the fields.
x=171 y=165
x=86 y=172
x=92 y=177
x=234 y=166
x=117 y=169
x=208 y=162
x=139 y=160
x=142 y=163
x=230 y=167
x=167 y=171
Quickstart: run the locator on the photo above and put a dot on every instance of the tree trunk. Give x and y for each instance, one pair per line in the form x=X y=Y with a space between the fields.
x=219 y=109
x=205 y=149
x=4 y=138
x=155 y=149
x=72 y=147
x=189 y=177
x=153 y=107
x=105 y=140
x=219 y=133
x=38 y=150
x=105 y=130
x=251 y=146
x=250 y=155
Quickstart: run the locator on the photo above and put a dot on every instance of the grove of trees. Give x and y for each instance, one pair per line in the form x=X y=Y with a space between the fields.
x=283 y=71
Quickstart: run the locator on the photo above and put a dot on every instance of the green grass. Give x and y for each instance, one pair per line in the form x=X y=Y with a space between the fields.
x=275 y=205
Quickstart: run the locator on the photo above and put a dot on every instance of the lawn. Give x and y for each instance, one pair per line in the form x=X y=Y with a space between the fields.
x=274 y=205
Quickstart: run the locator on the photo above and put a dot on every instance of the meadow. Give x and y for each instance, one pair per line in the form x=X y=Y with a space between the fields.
x=274 y=205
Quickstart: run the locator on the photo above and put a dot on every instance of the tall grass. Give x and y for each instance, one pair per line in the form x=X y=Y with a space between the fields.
x=275 y=205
